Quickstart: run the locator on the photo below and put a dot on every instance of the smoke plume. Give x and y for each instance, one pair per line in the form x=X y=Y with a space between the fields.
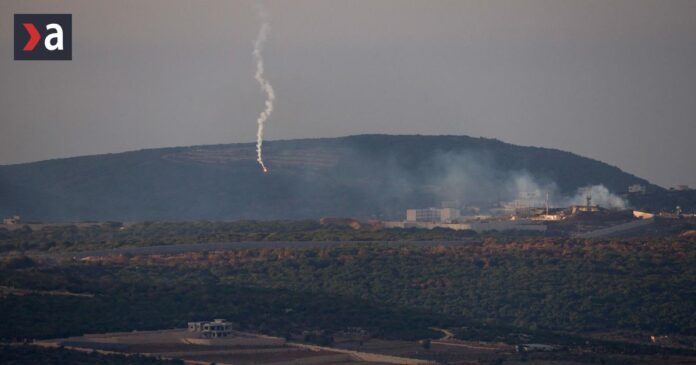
x=473 y=179
x=265 y=85
x=600 y=196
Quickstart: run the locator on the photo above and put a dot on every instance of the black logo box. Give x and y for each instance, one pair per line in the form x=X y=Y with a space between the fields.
x=21 y=36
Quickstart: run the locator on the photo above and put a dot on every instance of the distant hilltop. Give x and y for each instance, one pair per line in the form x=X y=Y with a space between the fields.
x=376 y=176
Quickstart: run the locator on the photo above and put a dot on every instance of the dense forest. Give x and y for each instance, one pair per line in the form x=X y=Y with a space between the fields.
x=538 y=286
x=98 y=236
x=109 y=235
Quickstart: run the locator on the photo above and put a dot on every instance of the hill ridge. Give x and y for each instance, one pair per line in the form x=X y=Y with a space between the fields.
x=369 y=175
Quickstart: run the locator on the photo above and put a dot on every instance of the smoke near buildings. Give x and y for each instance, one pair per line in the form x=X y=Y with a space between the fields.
x=477 y=180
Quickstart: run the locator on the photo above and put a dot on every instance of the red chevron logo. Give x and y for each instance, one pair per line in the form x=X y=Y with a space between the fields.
x=34 y=37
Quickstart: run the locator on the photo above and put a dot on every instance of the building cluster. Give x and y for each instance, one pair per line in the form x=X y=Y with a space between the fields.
x=453 y=218
x=681 y=188
x=641 y=189
x=529 y=211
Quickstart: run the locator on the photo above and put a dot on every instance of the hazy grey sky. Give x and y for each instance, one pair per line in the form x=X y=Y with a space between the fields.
x=613 y=80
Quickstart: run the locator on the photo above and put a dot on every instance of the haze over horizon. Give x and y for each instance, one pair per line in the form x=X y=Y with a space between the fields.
x=610 y=80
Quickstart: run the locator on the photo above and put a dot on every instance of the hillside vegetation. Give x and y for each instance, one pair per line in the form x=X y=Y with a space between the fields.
x=367 y=176
x=394 y=291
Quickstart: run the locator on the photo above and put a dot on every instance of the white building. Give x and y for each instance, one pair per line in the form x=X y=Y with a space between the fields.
x=215 y=329
x=636 y=189
x=443 y=215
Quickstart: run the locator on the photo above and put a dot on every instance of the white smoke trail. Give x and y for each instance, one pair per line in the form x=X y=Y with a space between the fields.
x=265 y=85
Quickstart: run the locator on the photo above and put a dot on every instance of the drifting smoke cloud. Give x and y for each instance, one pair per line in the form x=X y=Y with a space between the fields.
x=265 y=85
x=472 y=178
x=600 y=196
x=524 y=185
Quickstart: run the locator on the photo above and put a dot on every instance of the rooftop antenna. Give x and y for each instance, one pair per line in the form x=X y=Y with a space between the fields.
x=589 y=200
x=547 y=203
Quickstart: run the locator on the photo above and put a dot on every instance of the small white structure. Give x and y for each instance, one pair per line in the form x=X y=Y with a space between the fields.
x=548 y=217
x=636 y=189
x=537 y=347
x=216 y=329
x=12 y=220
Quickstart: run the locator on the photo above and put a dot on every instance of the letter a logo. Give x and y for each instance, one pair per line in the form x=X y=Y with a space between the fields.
x=55 y=30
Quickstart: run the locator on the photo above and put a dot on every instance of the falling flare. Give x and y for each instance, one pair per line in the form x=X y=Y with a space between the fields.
x=265 y=85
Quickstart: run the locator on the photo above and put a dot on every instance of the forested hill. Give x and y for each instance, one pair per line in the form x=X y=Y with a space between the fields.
x=365 y=176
